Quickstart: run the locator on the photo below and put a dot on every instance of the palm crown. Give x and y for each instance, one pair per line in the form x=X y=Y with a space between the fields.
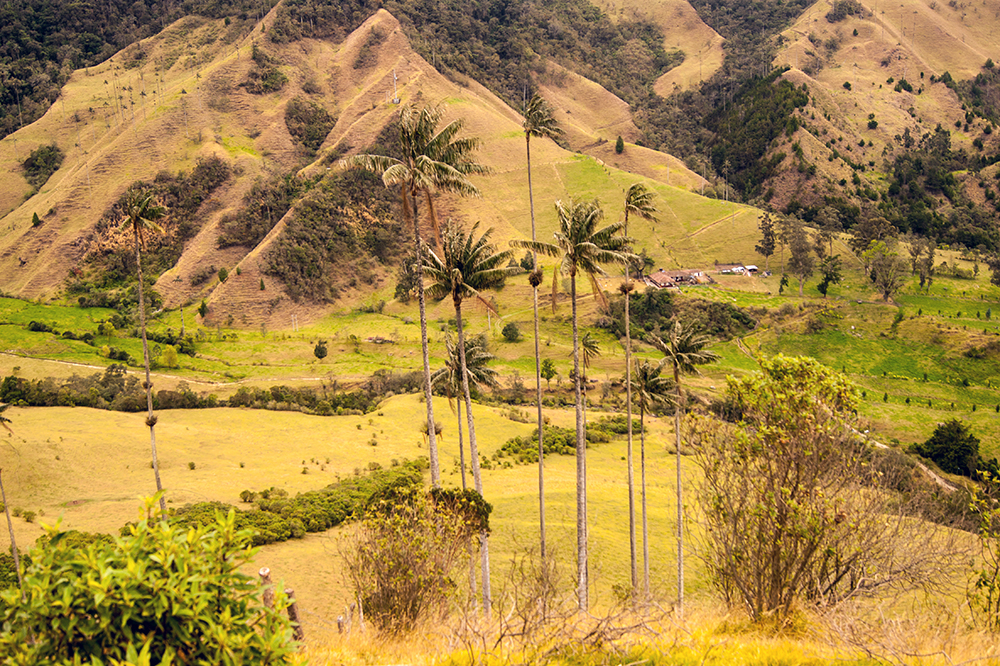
x=467 y=265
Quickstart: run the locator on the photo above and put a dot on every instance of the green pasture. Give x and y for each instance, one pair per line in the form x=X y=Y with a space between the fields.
x=89 y=469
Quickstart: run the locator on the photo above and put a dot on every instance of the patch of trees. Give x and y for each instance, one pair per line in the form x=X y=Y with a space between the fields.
x=263 y=206
x=746 y=127
x=109 y=267
x=655 y=310
x=924 y=197
x=42 y=43
x=308 y=123
x=338 y=236
x=981 y=94
x=41 y=164
x=843 y=8
x=264 y=77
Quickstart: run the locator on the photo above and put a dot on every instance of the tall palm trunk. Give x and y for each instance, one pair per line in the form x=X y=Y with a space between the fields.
x=431 y=434
x=535 y=280
x=581 y=464
x=628 y=408
x=474 y=454
x=645 y=524
x=150 y=417
x=680 y=505
x=461 y=462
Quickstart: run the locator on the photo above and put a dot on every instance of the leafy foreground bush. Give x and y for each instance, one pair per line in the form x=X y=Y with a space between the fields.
x=161 y=594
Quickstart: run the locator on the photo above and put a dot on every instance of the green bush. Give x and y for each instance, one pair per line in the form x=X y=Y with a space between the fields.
x=511 y=333
x=161 y=593
x=41 y=164
x=953 y=447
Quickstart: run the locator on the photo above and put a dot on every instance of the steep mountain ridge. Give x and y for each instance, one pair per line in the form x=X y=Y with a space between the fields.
x=185 y=99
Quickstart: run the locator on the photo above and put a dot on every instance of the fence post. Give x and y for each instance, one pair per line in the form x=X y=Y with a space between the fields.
x=293 y=615
x=265 y=582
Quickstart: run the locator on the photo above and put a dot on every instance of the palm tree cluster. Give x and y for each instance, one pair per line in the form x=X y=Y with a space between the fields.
x=463 y=264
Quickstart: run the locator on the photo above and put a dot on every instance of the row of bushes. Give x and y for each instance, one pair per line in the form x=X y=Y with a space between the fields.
x=116 y=390
x=277 y=517
x=555 y=439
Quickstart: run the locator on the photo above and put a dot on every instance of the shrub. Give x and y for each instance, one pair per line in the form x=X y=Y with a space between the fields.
x=619 y=146
x=793 y=510
x=41 y=164
x=953 y=448
x=402 y=557
x=511 y=333
x=117 y=601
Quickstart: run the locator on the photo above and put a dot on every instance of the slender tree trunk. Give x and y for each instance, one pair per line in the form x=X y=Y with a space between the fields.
x=474 y=454
x=581 y=465
x=628 y=412
x=148 y=385
x=645 y=524
x=680 y=504
x=538 y=365
x=461 y=462
x=13 y=542
x=431 y=434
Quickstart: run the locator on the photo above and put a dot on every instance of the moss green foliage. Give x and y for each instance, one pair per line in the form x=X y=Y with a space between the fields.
x=511 y=333
x=161 y=592
x=308 y=122
x=44 y=44
x=265 y=204
x=108 y=278
x=277 y=517
x=524 y=450
x=654 y=311
x=264 y=77
x=42 y=163
x=338 y=236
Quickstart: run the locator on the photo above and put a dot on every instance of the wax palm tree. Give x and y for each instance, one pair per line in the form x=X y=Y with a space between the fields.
x=538 y=122
x=684 y=350
x=477 y=355
x=649 y=387
x=467 y=267
x=449 y=377
x=591 y=349
x=638 y=201
x=432 y=160
x=583 y=247
x=139 y=214
x=3 y=498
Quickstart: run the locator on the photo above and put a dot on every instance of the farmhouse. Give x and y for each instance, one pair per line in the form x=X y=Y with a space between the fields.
x=662 y=279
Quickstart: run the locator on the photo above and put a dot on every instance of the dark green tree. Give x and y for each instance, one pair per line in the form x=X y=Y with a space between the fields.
x=953 y=447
